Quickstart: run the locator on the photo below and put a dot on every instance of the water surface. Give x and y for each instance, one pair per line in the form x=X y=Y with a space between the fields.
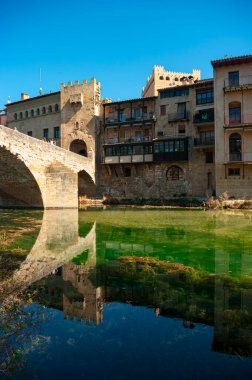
x=126 y=293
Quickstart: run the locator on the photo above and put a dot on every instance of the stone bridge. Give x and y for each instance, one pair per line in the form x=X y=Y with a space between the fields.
x=38 y=174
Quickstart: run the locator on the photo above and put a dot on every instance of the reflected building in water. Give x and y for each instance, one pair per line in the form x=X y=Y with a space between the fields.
x=62 y=266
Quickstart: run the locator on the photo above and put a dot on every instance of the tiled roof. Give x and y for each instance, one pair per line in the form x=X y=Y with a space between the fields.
x=232 y=60
x=34 y=98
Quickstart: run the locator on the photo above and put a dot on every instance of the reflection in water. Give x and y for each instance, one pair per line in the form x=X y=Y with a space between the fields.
x=176 y=270
x=57 y=243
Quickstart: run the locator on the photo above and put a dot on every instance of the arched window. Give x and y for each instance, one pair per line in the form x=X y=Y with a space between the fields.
x=50 y=109
x=161 y=77
x=235 y=113
x=176 y=79
x=15 y=116
x=79 y=147
x=43 y=110
x=235 y=147
x=56 y=107
x=26 y=114
x=32 y=113
x=174 y=173
x=38 y=111
x=21 y=115
x=167 y=78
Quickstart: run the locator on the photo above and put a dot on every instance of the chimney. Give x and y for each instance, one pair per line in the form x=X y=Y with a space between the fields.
x=24 y=96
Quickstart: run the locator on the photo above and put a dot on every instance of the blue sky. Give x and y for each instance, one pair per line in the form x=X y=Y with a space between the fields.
x=116 y=41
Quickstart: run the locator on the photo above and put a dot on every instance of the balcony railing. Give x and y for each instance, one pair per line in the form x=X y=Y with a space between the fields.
x=233 y=157
x=236 y=83
x=208 y=141
x=124 y=118
x=177 y=116
x=128 y=140
x=203 y=117
x=239 y=119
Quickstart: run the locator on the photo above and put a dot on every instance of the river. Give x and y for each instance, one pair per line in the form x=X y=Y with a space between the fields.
x=125 y=293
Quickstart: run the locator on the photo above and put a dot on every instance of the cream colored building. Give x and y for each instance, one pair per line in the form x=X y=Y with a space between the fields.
x=233 y=125
x=161 y=78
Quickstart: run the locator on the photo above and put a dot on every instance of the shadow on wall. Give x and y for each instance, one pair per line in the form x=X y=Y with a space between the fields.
x=86 y=186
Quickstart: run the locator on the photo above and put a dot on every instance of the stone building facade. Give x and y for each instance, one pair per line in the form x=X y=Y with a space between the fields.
x=160 y=147
x=161 y=78
x=233 y=125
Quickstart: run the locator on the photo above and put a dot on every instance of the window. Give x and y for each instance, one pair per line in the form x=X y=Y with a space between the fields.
x=174 y=173
x=137 y=113
x=159 y=147
x=161 y=77
x=125 y=150
x=56 y=108
x=43 y=110
x=38 y=112
x=181 y=129
x=147 y=149
x=206 y=137
x=32 y=113
x=15 y=116
x=56 y=132
x=235 y=143
x=127 y=171
x=138 y=149
x=169 y=146
x=122 y=116
x=29 y=133
x=234 y=171
x=26 y=114
x=112 y=151
x=170 y=93
x=160 y=133
x=181 y=110
x=205 y=97
x=171 y=150
x=209 y=158
x=45 y=133
x=233 y=78
x=50 y=109
x=162 y=110
x=21 y=115
x=235 y=113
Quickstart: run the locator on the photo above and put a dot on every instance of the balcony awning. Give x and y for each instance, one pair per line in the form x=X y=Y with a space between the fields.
x=205 y=107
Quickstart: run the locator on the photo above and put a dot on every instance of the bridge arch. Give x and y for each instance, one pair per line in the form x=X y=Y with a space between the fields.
x=18 y=186
x=86 y=185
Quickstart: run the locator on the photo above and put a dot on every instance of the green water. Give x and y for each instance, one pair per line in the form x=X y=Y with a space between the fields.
x=135 y=293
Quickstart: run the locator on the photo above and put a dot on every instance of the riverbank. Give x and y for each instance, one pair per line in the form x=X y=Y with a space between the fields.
x=214 y=203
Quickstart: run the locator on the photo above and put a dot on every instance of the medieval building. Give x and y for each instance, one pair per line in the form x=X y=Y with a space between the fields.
x=184 y=136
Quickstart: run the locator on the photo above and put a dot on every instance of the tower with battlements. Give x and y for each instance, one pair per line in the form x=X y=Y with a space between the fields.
x=160 y=78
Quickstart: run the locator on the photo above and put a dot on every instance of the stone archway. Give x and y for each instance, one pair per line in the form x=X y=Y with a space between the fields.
x=18 y=187
x=86 y=186
x=79 y=147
